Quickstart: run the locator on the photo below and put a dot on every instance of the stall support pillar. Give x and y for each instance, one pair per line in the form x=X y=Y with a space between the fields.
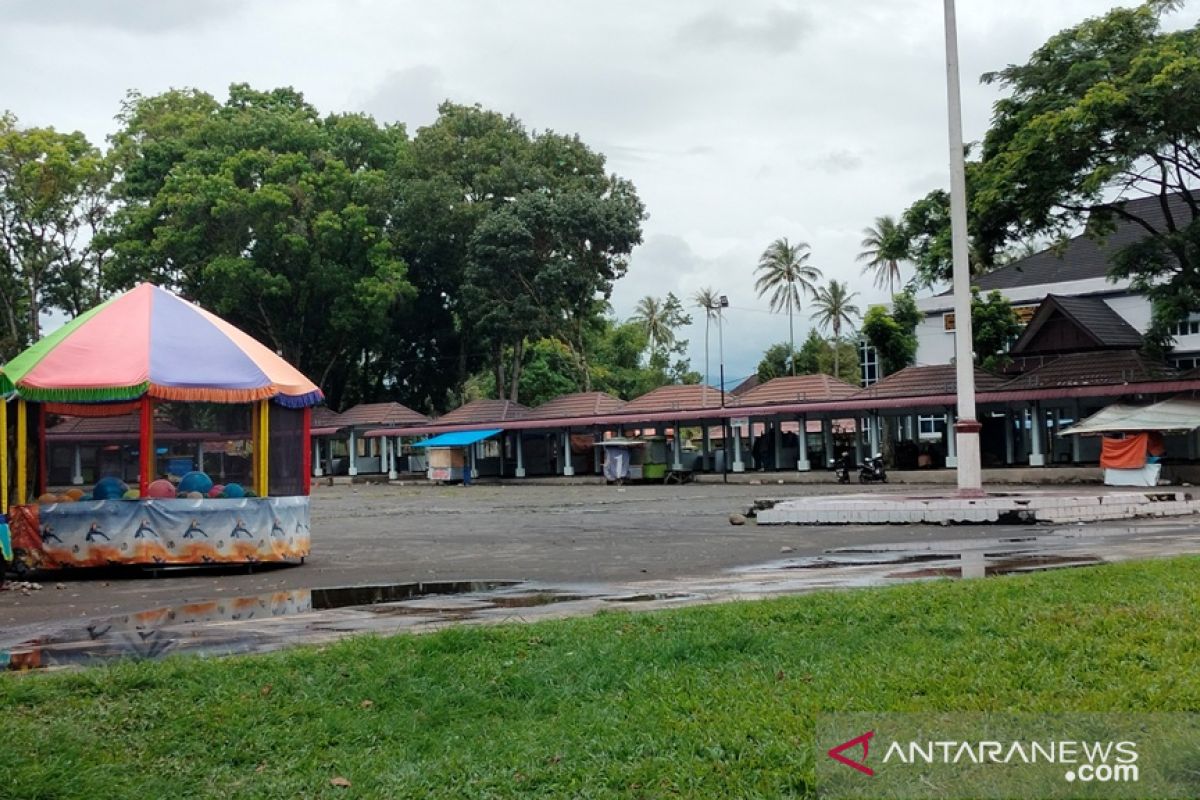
x=1009 y=443
x=597 y=464
x=520 y=448
x=389 y=455
x=827 y=436
x=329 y=454
x=802 y=463
x=705 y=447
x=777 y=446
x=677 y=448
x=750 y=444
x=77 y=467
x=738 y=466
x=858 y=439
x=353 y=453
x=317 y=471
x=1036 y=457
x=568 y=469
x=1076 y=455
x=146 y=446
x=951 y=440
x=873 y=433
x=200 y=456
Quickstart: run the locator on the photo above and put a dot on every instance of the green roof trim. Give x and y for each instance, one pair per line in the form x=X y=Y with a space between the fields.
x=28 y=358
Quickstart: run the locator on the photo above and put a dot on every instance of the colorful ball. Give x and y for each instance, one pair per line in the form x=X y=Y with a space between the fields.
x=132 y=494
x=75 y=492
x=66 y=497
x=216 y=490
x=195 y=482
x=47 y=498
x=161 y=488
x=109 y=489
x=234 y=490
x=251 y=493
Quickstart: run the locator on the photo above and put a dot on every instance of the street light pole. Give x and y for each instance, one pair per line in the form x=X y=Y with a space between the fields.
x=722 y=304
x=966 y=429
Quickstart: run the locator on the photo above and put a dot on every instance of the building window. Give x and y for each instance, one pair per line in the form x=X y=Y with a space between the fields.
x=1186 y=362
x=931 y=426
x=868 y=362
x=1188 y=327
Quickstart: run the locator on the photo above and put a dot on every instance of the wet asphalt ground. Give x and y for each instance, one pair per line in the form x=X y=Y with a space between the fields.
x=545 y=534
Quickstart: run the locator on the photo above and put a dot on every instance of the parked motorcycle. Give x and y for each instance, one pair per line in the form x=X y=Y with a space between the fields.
x=872 y=470
x=841 y=467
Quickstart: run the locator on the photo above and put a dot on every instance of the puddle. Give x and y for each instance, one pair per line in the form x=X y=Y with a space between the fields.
x=865 y=558
x=647 y=597
x=535 y=599
x=1000 y=564
x=344 y=596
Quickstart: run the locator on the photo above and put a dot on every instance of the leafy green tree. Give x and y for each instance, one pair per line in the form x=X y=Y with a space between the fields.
x=550 y=371
x=1104 y=112
x=659 y=320
x=834 y=307
x=884 y=246
x=52 y=200
x=994 y=325
x=785 y=273
x=893 y=333
x=816 y=356
x=265 y=212
x=778 y=360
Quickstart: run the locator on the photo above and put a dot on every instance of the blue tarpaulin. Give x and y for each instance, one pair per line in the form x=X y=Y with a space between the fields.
x=457 y=438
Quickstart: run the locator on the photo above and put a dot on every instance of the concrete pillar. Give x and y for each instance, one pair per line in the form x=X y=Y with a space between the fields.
x=597 y=461
x=471 y=461
x=873 y=433
x=568 y=471
x=827 y=437
x=951 y=440
x=778 y=445
x=858 y=439
x=317 y=471
x=353 y=452
x=328 y=450
x=677 y=448
x=520 y=446
x=1076 y=456
x=396 y=451
x=1054 y=439
x=389 y=450
x=802 y=439
x=738 y=466
x=200 y=456
x=750 y=442
x=705 y=447
x=1009 y=443
x=76 y=465
x=1036 y=457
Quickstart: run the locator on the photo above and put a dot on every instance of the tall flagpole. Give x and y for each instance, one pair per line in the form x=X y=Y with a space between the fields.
x=966 y=429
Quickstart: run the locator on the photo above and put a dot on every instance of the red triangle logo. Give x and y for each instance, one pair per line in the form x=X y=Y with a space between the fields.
x=864 y=740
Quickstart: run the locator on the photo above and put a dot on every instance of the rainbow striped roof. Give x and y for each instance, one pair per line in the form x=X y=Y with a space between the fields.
x=150 y=342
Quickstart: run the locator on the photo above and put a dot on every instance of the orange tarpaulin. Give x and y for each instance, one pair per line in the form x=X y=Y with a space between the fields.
x=1127 y=453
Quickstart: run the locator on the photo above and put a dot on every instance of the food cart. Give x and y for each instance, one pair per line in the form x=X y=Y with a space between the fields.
x=451 y=456
x=138 y=353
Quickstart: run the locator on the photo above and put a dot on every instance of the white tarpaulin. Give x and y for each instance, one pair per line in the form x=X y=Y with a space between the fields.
x=1173 y=414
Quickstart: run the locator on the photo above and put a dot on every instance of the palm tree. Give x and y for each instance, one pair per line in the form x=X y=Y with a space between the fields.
x=884 y=247
x=787 y=275
x=834 y=305
x=651 y=315
x=707 y=299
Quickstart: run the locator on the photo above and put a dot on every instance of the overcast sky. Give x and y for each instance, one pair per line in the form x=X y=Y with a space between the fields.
x=739 y=122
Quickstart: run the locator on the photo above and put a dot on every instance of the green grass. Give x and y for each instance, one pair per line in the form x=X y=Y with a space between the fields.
x=703 y=702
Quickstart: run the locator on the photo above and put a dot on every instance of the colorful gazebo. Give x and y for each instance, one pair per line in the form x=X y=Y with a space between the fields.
x=126 y=356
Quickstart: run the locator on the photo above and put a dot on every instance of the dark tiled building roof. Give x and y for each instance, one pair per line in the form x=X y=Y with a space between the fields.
x=484 y=411
x=1094 y=369
x=745 y=386
x=580 y=404
x=1082 y=257
x=379 y=415
x=938 y=379
x=798 y=388
x=675 y=398
x=1094 y=319
x=326 y=417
